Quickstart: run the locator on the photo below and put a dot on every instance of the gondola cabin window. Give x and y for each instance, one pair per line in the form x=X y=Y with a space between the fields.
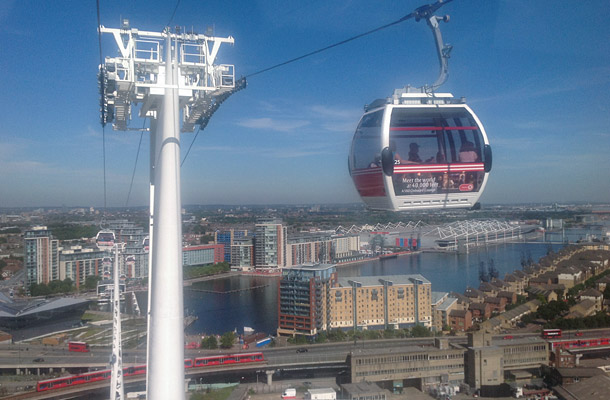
x=435 y=152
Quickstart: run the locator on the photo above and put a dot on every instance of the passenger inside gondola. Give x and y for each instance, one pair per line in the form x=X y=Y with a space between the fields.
x=376 y=162
x=414 y=153
x=468 y=153
x=397 y=158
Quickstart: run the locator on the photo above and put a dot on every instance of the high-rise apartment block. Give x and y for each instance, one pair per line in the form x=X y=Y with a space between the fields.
x=134 y=237
x=41 y=256
x=78 y=263
x=227 y=238
x=345 y=247
x=308 y=248
x=273 y=248
x=270 y=244
x=242 y=252
x=303 y=293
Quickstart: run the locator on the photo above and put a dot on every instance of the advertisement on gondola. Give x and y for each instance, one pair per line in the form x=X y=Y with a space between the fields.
x=412 y=183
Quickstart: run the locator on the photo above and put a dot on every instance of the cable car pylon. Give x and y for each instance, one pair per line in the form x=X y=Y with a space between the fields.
x=168 y=75
x=117 y=390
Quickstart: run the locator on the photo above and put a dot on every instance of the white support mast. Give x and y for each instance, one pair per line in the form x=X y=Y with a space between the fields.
x=170 y=75
x=116 y=382
x=166 y=368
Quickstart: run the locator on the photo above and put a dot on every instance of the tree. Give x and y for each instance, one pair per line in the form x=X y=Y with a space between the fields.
x=39 y=289
x=420 y=331
x=321 y=338
x=209 y=343
x=389 y=332
x=552 y=310
x=227 y=339
x=91 y=281
x=337 y=335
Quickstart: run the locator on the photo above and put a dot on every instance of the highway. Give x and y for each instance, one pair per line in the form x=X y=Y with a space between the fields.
x=289 y=358
x=23 y=355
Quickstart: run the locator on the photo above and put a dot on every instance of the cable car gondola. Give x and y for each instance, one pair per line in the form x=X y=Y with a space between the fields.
x=105 y=240
x=130 y=265
x=419 y=149
x=145 y=244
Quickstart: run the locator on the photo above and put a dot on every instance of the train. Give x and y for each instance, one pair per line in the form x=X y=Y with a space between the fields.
x=580 y=343
x=199 y=362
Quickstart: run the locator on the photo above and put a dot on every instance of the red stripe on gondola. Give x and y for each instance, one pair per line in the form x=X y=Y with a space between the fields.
x=434 y=128
x=406 y=169
x=369 y=182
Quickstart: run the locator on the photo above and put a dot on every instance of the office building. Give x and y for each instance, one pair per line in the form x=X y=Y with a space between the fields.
x=487 y=360
x=409 y=365
x=41 y=256
x=204 y=254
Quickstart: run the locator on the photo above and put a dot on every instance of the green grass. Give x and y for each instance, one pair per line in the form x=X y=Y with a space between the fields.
x=220 y=394
x=95 y=317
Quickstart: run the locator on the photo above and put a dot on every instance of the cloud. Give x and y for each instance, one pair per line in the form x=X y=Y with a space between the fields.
x=335 y=113
x=296 y=153
x=25 y=166
x=591 y=77
x=268 y=152
x=324 y=118
x=273 y=124
x=340 y=126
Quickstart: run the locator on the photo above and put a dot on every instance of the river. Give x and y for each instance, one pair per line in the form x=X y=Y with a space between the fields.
x=220 y=312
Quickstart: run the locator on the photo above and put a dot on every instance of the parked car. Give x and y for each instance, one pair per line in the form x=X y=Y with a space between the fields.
x=39 y=359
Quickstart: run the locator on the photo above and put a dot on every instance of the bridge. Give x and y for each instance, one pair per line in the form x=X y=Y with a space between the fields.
x=281 y=360
x=332 y=358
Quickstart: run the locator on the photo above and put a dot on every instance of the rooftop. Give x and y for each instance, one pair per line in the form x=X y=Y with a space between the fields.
x=378 y=280
x=595 y=388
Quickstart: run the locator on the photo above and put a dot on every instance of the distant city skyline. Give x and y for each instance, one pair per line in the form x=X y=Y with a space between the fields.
x=536 y=73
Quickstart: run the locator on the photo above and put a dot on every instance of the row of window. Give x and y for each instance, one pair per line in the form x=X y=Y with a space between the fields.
x=447 y=356
x=392 y=359
x=524 y=349
x=410 y=370
x=519 y=361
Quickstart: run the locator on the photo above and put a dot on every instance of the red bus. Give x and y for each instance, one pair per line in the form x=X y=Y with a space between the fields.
x=551 y=333
x=78 y=346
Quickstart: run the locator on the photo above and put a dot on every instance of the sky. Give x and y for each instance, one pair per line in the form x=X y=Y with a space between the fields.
x=537 y=73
